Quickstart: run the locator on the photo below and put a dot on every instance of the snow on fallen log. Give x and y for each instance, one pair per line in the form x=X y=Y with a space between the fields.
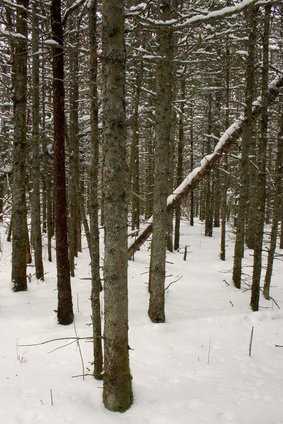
x=224 y=145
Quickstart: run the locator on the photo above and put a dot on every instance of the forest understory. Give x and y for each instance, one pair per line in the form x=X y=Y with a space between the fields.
x=195 y=368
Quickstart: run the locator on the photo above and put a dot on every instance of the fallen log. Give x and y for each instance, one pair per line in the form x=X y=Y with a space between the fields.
x=224 y=145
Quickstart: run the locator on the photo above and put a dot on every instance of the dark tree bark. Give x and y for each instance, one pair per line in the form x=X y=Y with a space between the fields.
x=261 y=172
x=223 y=211
x=180 y=150
x=208 y=187
x=276 y=210
x=117 y=387
x=36 y=224
x=74 y=183
x=94 y=228
x=19 y=213
x=135 y=151
x=65 y=307
x=246 y=139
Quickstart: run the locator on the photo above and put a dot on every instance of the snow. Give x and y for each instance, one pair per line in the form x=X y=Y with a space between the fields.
x=52 y=43
x=206 y=16
x=193 y=369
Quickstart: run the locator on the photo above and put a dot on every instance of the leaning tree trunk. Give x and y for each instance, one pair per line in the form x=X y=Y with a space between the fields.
x=94 y=227
x=65 y=307
x=19 y=213
x=117 y=386
x=224 y=145
x=36 y=224
x=156 y=310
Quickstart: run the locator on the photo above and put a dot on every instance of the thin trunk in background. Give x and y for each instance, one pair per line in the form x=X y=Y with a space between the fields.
x=93 y=201
x=35 y=211
x=65 y=307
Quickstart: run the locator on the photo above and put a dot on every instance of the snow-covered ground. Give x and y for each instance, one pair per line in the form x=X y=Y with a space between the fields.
x=193 y=369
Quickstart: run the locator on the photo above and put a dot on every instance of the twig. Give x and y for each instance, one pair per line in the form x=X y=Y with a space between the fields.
x=51 y=398
x=251 y=341
x=56 y=340
x=79 y=347
x=81 y=375
x=62 y=346
x=173 y=282
x=209 y=350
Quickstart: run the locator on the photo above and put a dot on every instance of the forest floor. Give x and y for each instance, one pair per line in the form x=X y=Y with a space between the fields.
x=193 y=369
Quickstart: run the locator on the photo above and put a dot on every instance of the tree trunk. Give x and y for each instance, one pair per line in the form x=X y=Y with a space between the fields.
x=74 y=185
x=246 y=139
x=117 y=386
x=36 y=224
x=180 y=150
x=135 y=152
x=261 y=175
x=276 y=210
x=94 y=229
x=19 y=213
x=65 y=307
x=156 y=310
x=225 y=176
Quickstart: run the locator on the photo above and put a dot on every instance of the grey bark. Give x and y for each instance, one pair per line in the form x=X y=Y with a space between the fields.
x=156 y=310
x=117 y=386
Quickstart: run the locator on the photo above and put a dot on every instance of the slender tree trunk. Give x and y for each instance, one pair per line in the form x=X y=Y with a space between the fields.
x=208 y=188
x=117 y=386
x=149 y=174
x=192 y=194
x=261 y=176
x=180 y=176
x=246 y=137
x=94 y=229
x=74 y=186
x=65 y=307
x=36 y=227
x=135 y=153
x=19 y=213
x=156 y=310
x=225 y=176
x=276 y=210
x=171 y=166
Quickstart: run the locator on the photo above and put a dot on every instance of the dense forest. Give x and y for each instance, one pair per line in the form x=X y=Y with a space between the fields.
x=127 y=130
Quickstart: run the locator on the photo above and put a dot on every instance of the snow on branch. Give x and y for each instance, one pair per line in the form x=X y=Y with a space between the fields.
x=185 y=21
x=71 y=9
x=225 y=143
